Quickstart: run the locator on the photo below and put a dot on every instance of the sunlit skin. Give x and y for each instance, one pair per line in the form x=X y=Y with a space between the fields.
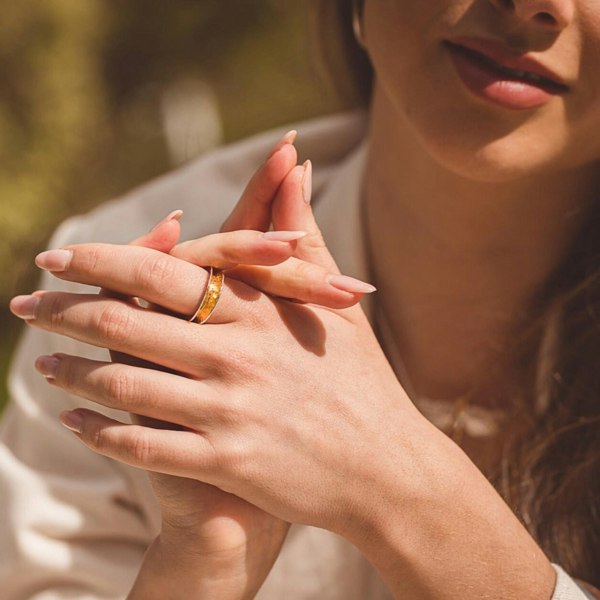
x=469 y=208
x=472 y=205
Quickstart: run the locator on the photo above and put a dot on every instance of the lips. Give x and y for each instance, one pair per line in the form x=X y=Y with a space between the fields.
x=493 y=73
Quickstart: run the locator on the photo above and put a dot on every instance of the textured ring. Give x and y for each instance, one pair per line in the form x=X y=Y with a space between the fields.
x=216 y=277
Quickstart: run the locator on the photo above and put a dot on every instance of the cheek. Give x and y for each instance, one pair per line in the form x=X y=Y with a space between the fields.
x=424 y=97
x=417 y=84
x=403 y=49
x=584 y=112
x=584 y=144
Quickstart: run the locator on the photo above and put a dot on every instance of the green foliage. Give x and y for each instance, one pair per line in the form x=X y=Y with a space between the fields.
x=80 y=89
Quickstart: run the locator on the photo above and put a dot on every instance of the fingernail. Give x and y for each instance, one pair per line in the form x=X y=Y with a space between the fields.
x=54 y=260
x=307 y=182
x=283 y=236
x=72 y=420
x=172 y=216
x=24 y=306
x=47 y=366
x=350 y=284
x=288 y=138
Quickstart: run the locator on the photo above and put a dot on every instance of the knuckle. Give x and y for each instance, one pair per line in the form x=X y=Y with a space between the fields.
x=90 y=257
x=231 y=253
x=139 y=447
x=114 y=323
x=98 y=439
x=231 y=457
x=53 y=309
x=232 y=414
x=315 y=240
x=307 y=272
x=121 y=387
x=238 y=362
x=155 y=274
x=309 y=279
x=67 y=374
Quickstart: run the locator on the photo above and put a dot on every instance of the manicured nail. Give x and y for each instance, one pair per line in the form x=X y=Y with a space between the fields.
x=24 y=306
x=172 y=216
x=47 y=366
x=288 y=138
x=307 y=182
x=349 y=284
x=283 y=236
x=54 y=260
x=72 y=420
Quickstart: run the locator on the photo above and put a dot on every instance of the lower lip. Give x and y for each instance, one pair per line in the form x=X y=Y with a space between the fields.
x=487 y=83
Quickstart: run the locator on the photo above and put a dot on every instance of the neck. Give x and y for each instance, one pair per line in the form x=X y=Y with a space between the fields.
x=458 y=261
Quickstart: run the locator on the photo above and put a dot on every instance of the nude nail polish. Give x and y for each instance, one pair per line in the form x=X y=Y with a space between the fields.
x=24 y=306
x=72 y=421
x=172 y=216
x=54 y=260
x=350 y=284
x=283 y=236
x=307 y=182
x=288 y=138
x=47 y=366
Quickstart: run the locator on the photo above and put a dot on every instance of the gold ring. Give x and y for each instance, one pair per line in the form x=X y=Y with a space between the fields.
x=216 y=277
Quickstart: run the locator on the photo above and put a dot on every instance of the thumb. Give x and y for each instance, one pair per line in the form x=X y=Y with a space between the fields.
x=253 y=210
x=292 y=211
x=164 y=235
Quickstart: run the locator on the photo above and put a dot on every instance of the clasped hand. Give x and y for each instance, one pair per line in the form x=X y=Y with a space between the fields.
x=285 y=406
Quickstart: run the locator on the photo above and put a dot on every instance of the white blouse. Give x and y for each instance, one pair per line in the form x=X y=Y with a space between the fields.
x=74 y=524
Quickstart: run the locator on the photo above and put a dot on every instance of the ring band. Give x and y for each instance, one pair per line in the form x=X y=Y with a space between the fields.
x=216 y=277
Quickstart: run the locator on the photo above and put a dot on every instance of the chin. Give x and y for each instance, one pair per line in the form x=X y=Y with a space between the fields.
x=475 y=141
x=479 y=151
x=498 y=162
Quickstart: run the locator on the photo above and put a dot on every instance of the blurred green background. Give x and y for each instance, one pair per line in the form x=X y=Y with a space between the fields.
x=97 y=96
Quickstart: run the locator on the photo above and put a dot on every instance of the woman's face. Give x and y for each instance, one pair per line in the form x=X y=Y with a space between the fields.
x=493 y=89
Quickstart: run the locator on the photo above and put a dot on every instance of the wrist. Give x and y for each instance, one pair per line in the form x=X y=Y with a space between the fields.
x=440 y=530
x=176 y=567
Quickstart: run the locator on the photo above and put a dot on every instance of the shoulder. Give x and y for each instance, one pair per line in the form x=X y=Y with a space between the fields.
x=206 y=189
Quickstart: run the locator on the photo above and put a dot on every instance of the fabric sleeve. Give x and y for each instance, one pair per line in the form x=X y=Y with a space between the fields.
x=567 y=588
x=73 y=524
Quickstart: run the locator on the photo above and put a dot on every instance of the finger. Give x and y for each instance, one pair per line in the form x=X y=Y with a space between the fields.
x=130 y=271
x=164 y=235
x=253 y=210
x=179 y=453
x=155 y=394
x=198 y=351
x=226 y=250
x=292 y=209
x=160 y=278
x=305 y=282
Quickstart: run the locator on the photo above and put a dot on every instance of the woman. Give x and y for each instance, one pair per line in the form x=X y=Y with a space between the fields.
x=473 y=194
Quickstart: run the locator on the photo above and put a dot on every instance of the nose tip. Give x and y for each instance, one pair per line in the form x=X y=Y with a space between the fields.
x=549 y=14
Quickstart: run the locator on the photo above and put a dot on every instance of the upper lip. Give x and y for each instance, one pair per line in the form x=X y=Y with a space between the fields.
x=500 y=54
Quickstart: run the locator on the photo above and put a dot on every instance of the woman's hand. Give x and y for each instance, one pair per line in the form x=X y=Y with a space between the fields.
x=229 y=539
x=281 y=404
x=292 y=408
x=213 y=544
x=258 y=358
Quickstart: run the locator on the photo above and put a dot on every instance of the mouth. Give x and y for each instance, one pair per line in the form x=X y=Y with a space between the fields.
x=549 y=83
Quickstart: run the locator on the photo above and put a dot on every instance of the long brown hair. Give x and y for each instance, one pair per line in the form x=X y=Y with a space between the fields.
x=550 y=474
